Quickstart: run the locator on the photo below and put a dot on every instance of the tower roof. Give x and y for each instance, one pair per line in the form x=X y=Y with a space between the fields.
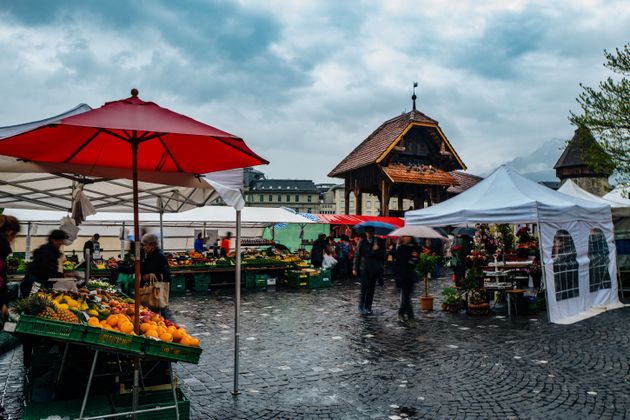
x=384 y=138
x=583 y=144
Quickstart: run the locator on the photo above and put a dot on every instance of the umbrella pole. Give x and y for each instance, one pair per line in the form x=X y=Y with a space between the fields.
x=237 y=302
x=162 y=230
x=136 y=236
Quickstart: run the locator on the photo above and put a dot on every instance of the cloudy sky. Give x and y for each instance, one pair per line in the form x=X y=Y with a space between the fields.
x=304 y=82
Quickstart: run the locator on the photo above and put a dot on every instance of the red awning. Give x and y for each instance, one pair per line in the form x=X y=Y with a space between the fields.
x=353 y=219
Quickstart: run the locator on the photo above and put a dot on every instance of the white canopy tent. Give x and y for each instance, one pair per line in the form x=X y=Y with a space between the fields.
x=619 y=208
x=576 y=237
x=619 y=195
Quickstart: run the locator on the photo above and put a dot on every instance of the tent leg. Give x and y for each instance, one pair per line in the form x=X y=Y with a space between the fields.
x=237 y=302
x=89 y=384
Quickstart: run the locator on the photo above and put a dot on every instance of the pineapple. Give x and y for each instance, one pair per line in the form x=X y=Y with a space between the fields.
x=48 y=313
x=32 y=305
x=66 y=315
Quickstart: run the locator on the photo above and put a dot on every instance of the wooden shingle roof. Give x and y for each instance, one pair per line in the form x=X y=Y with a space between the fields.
x=378 y=143
x=463 y=181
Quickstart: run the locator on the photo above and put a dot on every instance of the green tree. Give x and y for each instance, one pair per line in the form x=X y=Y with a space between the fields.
x=606 y=112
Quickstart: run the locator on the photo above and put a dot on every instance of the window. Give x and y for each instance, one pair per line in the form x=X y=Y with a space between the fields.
x=279 y=198
x=297 y=198
x=270 y=198
x=261 y=198
x=565 y=266
x=288 y=198
x=308 y=198
x=308 y=210
x=598 y=275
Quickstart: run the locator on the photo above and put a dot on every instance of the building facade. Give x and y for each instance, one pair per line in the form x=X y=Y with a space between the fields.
x=297 y=194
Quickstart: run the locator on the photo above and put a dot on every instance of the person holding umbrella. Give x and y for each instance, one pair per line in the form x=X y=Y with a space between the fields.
x=407 y=255
x=368 y=263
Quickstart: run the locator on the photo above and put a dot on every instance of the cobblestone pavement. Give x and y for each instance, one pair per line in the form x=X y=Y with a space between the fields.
x=310 y=354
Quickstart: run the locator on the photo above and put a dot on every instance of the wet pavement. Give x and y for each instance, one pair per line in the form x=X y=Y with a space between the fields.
x=310 y=354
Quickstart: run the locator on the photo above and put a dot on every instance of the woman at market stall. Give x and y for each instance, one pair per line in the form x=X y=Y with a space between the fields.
x=9 y=228
x=45 y=264
x=154 y=266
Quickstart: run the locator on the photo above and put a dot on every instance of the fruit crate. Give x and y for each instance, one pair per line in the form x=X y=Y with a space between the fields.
x=97 y=405
x=122 y=403
x=114 y=340
x=172 y=351
x=320 y=279
x=201 y=282
x=178 y=284
x=29 y=324
x=261 y=280
x=297 y=278
x=250 y=279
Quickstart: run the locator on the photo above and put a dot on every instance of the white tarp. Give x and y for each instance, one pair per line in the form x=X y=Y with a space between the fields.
x=619 y=195
x=211 y=216
x=619 y=209
x=507 y=197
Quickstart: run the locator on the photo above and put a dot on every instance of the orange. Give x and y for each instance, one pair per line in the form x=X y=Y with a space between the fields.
x=144 y=327
x=166 y=337
x=171 y=329
x=112 y=320
x=94 y=322
x=185 y=341
x=178 y=334
x=126 y=327
x=151 y=333
x=194 y=342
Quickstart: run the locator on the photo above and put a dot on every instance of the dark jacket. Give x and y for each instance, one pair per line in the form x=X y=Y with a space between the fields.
x=365 y=258
x=317 y=252
x=5 y=251
x=43 y=267
x=406 y=260
x=155 y=262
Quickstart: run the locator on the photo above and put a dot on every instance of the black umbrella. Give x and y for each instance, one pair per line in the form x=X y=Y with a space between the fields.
x=464 y=231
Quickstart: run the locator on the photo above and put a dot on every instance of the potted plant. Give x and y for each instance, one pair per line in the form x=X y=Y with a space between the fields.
x=426 y=267
x=450 y=299
x=477 y=302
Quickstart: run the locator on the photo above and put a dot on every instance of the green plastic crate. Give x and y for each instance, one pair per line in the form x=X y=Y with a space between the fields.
x=29 y=324
x=297 y=279
x=114 y=340
x=261 y=280
x=172 y=351
x=201 y=282
x=250 y=279
x=122 y=403
x=97 y=405
x=325 y=277
x=178 y=284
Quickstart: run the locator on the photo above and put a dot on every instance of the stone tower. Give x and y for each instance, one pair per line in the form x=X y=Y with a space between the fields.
x=572 y=164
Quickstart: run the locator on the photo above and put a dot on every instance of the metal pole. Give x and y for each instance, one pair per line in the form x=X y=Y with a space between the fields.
x=88 y=264
x=27 y=255
x=89 y=384
x=136 y=237
x=122 y=241
x=237 y=301
x=162 y=230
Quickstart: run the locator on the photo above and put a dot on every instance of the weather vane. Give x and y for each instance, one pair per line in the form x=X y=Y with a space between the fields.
x=413 y=97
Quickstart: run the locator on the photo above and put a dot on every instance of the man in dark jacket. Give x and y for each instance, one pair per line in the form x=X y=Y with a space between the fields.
x=317 y=252
x=45 y=264
x=406 y=260
x=369 y=257
x=154 y=264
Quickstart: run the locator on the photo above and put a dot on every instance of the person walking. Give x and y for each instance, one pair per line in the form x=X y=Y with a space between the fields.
x=154 y=266
x=407 y=255
x=369 y=256
x=9 y=228
x=317 y=251
x=45 y=264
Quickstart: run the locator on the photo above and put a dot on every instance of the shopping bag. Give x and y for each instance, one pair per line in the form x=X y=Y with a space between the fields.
x=155 y=294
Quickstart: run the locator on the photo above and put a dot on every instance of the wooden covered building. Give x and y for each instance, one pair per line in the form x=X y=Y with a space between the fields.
x=406 y=157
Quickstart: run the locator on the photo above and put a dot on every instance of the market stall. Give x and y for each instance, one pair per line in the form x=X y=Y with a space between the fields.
x=127 y=138
x=570 y=229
